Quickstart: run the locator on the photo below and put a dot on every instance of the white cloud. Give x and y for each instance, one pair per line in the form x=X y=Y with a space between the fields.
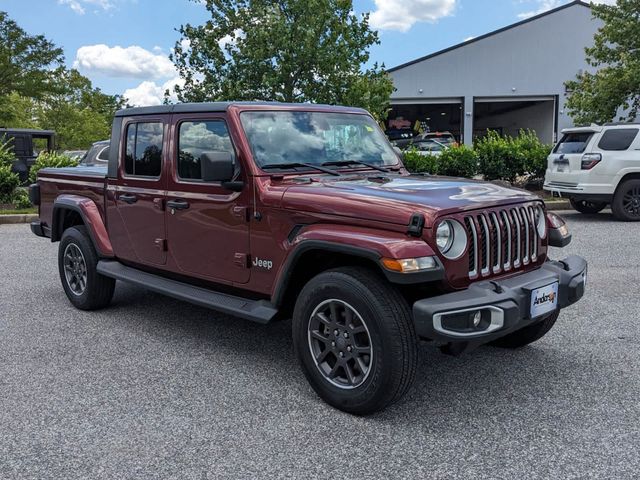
x=133 y=61
x=79 y=6
x=546 y=5
x=401 y=15
x=151 y=93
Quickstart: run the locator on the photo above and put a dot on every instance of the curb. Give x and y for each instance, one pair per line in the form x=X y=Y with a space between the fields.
x=558 y=205
x=20 y=218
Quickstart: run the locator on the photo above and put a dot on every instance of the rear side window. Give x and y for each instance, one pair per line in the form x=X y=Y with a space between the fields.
x=197 y=137
x=573 y=142
x=104 y=155
x=144 y=149
x=618 y=139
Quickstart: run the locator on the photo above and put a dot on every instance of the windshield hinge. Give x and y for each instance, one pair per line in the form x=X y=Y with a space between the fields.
x=416 y=225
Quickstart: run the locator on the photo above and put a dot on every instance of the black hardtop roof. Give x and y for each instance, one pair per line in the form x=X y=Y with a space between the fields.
x=32 y=131
x=205 y=107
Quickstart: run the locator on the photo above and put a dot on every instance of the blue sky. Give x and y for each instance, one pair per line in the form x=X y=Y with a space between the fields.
x=121 y=45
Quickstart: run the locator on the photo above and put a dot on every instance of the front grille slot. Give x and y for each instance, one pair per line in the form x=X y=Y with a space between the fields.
x=501 y=240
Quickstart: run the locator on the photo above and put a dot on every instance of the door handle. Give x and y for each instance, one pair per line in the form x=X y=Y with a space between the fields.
x=126 y=198
x=177 y=204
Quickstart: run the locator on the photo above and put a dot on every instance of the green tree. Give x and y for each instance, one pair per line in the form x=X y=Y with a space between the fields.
x=27 y=63
x=598 y=97
x=79 y=113
x=284 y=50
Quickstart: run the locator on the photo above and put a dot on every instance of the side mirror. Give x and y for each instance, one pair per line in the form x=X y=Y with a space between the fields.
x=216 y=166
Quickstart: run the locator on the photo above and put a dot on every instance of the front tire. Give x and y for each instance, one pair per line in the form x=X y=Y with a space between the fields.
x=586 y=207
x=354 y=338
x=527 y=335
x=86 y=289
x=626 y=203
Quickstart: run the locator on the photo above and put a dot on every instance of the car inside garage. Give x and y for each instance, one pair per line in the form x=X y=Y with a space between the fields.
x=438 y=116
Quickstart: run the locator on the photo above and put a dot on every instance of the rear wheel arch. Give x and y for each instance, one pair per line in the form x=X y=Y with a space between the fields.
x=64 y=217
x=71 y=212
x=628 y=176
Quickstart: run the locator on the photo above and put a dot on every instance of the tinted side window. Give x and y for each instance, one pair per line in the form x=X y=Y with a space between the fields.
x=104 y=155
x=573 y=143
x=197 y=137
x=144 y=149
x=618 y=139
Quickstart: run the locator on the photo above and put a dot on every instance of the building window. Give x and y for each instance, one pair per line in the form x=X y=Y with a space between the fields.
x=196 y=138
x=144 y=149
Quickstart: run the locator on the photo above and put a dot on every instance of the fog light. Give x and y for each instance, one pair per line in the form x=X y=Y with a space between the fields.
x=477 y=318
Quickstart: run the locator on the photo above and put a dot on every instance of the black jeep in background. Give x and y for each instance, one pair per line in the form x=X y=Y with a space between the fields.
x=24 y=148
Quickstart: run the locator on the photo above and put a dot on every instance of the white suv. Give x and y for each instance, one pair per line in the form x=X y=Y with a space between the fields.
x=596 y=166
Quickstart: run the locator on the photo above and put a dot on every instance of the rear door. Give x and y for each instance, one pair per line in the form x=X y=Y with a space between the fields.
x=138 y=231
x=620 y=150
x=208 y=227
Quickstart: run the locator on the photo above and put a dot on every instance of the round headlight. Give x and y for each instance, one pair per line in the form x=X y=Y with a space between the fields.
x=444 y=236
x=451 y=239
x=541 y=222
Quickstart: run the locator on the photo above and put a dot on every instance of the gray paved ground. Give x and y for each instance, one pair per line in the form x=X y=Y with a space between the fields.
x=155 y=388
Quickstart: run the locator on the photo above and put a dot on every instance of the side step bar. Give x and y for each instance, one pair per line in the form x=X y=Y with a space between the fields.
x=260 y=311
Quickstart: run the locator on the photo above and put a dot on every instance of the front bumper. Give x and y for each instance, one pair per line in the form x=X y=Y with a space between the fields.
x=508 y=300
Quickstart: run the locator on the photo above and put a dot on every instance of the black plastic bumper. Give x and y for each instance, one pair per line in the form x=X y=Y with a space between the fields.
x=38 y=229
x=510 y=298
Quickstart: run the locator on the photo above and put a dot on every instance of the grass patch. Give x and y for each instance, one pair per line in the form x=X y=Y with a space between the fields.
x=20 y=211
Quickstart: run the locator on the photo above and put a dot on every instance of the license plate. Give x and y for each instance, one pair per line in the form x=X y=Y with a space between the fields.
x=544 y=300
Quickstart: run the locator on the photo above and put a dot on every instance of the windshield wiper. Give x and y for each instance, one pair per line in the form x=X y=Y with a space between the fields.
x=346 y=163
x=301 y=164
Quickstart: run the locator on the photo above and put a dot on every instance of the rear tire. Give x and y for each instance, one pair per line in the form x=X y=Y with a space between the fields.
x=86 y=289
x=527 y=335
x=372 y=357
x=584 y=206
x=626 y=202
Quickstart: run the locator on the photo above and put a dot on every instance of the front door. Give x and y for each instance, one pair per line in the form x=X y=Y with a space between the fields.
x=207 y=224
x=138 y=230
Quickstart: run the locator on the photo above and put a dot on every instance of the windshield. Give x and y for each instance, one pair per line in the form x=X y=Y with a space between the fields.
x=315 y=138
x=573 y=142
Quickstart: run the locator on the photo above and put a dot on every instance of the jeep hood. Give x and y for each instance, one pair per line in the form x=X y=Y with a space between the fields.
x=394 y=199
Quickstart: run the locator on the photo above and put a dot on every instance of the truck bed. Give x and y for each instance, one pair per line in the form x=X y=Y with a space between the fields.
x=84 y=181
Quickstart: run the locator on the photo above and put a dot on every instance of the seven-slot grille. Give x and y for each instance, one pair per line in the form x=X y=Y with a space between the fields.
x=502 y=240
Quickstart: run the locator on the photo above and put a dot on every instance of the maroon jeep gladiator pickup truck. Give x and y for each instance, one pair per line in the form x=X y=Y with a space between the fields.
x=268 y=211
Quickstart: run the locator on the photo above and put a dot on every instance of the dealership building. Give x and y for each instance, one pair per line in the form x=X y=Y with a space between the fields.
x=507 y=80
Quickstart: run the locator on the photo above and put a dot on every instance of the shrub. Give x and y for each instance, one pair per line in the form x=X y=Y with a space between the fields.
x=499 y=157
x=20 y=199
x=50 y=160
x=453 y=162
x=534 y=153
x=9 y=181
x=506 y=158
x=7 y=156
x=416 y=163
x=459 y=161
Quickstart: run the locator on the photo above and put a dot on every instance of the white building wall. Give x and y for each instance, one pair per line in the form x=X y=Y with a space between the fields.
x=533 y=59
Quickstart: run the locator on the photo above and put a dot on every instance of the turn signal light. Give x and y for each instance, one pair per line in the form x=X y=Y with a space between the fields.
x=409 y=265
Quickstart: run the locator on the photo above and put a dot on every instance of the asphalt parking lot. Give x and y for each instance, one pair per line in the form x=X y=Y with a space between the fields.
x=155 y=388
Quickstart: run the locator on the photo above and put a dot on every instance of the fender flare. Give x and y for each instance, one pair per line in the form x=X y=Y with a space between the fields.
x=369 y=253
x=88 y=211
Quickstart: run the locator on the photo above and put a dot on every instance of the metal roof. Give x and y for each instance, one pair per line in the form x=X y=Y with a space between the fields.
x=490 y=34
